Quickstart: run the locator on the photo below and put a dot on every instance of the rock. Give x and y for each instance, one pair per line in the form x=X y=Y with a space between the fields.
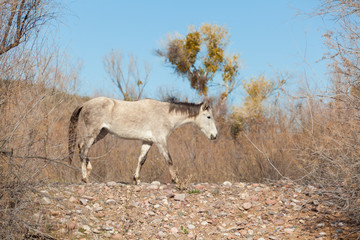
x=297 y=207
x=222 y=214
x=83 y=201
x=97 y=207
x=161 y=234
x=107 y=228
x=156 y=183
x=227 y=184
x=339 y=230
x=100 y=214
x=243 y=232
x=88 y=197
x=153 y=187
x=174 y=230
x=165 y=201
x=73 y=199
x=151 y=213
x=289 y=230
x=320 y=225
x=247 y=205
x=244 y=196
x=322 y=234
x=190 y=226
x=55 y=213
x=86 y=228
x=204 y=223
x=258 y=189
x=45 y=201
x=270 y=202
x=179 y=197
x=111 y=184
x=110 y=202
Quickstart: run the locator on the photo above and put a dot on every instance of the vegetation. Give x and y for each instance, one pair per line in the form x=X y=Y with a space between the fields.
x=193 y=191
x=306 y=138
x=200 y=66
x=131 y=83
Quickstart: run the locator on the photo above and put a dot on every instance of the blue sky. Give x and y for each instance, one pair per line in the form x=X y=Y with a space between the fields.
x=268 y=35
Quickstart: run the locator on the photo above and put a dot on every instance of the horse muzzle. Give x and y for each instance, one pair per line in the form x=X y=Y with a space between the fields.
x=213 y=137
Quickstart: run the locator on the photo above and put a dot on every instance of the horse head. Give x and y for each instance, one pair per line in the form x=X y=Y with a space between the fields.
x=205 y=120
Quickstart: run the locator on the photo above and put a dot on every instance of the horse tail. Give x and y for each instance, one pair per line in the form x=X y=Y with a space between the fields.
x=72 y=132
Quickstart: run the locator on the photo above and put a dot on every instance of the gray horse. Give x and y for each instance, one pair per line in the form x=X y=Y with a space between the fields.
x=148 y=120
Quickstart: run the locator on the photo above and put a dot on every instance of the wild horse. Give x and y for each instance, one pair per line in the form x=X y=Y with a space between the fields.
x=148 y=120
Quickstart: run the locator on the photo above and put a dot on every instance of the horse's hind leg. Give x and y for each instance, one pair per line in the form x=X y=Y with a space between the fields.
x=101 y=135
x=84 y=147
x=142 y=158
x=85 y=161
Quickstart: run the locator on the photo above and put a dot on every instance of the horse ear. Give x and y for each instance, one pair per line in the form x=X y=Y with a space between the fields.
x=206 y=104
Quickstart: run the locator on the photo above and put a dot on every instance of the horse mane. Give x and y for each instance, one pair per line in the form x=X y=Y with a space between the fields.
x=191 y=109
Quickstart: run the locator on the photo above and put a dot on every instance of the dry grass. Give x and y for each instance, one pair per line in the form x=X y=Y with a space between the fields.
x=313 y=143
x=34 y=107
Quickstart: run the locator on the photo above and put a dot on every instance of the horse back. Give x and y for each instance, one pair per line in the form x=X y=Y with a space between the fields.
x=128 y=119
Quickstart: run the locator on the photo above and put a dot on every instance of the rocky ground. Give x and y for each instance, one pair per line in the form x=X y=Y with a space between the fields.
x=203 y=211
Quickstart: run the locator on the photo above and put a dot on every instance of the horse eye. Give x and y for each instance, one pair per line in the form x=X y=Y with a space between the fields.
x=208 y=117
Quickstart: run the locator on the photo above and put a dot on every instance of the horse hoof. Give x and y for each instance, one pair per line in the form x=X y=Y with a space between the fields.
x=136 y=181
x=84 y=180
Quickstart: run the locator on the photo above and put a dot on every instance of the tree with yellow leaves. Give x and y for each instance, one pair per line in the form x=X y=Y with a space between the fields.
x=200 y=55
x=258 y=90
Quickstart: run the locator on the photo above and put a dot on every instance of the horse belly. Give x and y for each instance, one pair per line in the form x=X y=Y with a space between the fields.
x=132 y=132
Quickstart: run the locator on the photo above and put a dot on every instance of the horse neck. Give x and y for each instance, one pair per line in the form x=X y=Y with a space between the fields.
x=179 y=119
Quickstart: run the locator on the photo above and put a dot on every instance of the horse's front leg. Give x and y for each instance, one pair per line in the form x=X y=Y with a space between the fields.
x=165 y=152
x=142 y=158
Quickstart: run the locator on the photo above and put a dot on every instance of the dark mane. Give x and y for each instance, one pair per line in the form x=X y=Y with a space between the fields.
x=191 y=109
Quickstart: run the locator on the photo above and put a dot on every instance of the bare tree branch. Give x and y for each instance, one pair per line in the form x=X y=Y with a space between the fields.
x=23 y=18
x=131 y=84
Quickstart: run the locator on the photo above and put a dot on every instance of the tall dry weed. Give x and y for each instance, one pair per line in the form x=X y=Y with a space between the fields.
x=34 y=105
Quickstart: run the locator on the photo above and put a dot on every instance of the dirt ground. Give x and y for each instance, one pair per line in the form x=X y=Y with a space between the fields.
x=203 y=211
